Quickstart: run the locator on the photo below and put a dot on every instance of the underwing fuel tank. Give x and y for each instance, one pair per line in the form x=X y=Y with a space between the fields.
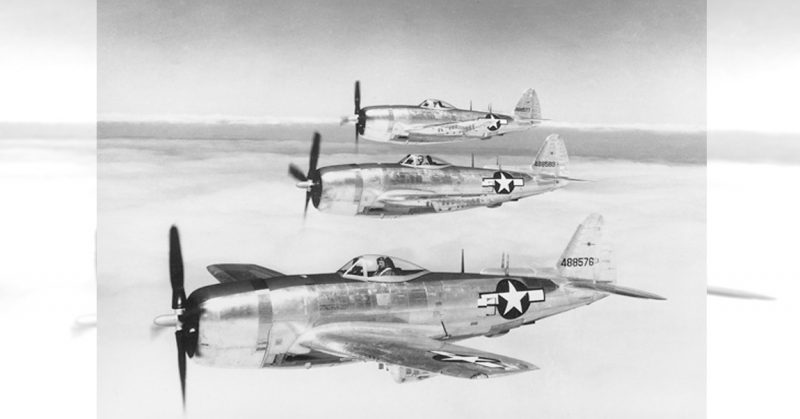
x=233 y=324
x=340 y=189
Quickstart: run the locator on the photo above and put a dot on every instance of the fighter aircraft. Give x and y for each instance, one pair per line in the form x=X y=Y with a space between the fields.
x=380 y=308
x=436 y=121
x=422 y=184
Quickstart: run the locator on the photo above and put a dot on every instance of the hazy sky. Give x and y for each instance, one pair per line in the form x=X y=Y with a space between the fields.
x=48 y=67
x=600 y=62
x=753 y=65
x=596 y=62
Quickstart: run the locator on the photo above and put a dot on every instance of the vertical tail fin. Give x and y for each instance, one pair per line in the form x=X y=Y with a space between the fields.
x=552 y=158
x=528 y=106
x=586 y=256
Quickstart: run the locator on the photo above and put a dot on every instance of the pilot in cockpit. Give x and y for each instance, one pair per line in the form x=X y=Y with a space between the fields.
x=385 y=266
x=418 y=160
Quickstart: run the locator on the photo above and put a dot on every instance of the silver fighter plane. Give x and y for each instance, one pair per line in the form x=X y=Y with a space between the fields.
x=422 y=184
x=380 y=308
x=436 y=121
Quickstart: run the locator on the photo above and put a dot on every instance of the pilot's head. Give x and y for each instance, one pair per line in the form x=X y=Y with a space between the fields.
x=381 y=263
x=418 y=159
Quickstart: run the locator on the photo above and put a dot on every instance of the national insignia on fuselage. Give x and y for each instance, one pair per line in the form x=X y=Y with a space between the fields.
x=503 y=182
x=511 y=298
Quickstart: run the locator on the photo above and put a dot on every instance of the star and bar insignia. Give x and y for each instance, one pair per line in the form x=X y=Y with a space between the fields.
x=502 y=182
x=470 y=359
x=511 y=298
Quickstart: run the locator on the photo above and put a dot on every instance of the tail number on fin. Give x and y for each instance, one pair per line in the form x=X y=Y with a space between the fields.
x=540 y=163
x=579 y=262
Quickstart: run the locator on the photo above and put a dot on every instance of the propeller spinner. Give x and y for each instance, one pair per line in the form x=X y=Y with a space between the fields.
x=310 y=181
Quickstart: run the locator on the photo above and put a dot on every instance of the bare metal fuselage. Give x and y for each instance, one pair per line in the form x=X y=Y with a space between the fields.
x=413 y=124
x=395 y=189
x=257 y=323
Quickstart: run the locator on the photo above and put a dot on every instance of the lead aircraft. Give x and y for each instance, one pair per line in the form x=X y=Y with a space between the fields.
x=436 y=121
x=381 y=309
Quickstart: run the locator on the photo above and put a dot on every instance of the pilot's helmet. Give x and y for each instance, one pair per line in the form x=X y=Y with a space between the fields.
x=418 y=159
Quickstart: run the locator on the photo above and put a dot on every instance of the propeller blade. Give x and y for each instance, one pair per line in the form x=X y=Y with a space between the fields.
x=176 y=269
x=462 y=261
x=313 y=158
x=181 y=364
x=357 y=111
x=297 y=173
x=305 y=208
x=357 y=98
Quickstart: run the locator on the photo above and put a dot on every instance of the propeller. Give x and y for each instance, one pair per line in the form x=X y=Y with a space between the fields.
x=360 y=117
x=310 y=181
x=184 y=318
x=178 y=302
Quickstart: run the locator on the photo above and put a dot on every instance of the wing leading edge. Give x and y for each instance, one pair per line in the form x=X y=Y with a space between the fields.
x=390 y=345
x=232 y=272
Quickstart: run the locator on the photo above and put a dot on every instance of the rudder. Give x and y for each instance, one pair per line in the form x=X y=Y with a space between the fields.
x=528 y=106
x=552 y=158
x=586 y=256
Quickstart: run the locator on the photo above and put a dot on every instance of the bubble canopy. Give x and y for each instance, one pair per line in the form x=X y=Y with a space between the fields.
x=380 y=268
x=435 y=104
x=422 y=160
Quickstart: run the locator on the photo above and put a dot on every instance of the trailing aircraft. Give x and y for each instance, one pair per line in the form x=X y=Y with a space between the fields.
x=436 y=121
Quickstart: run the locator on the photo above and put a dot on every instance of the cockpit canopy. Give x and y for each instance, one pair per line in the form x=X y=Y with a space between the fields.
x=422 y=160
x=380 y=268
x=435 y=104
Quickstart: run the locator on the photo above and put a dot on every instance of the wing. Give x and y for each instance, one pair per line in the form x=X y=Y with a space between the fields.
x=393 y=345
x=231 y=272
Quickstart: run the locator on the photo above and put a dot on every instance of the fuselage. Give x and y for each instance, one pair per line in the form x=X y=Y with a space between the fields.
x=407 y=124
x=395 y=189
x=257 y=323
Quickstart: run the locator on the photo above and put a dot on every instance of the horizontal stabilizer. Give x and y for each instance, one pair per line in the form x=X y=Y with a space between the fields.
x=731 y=293
x=571 y=179
x=614 y=289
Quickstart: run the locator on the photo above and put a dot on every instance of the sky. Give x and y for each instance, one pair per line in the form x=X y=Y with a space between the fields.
x=753 y=63
x=591 y=62
x=48 y=71
x=211 y=60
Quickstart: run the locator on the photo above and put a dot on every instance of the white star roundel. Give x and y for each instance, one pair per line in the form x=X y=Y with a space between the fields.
x=502 y=182
x=511 y=298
